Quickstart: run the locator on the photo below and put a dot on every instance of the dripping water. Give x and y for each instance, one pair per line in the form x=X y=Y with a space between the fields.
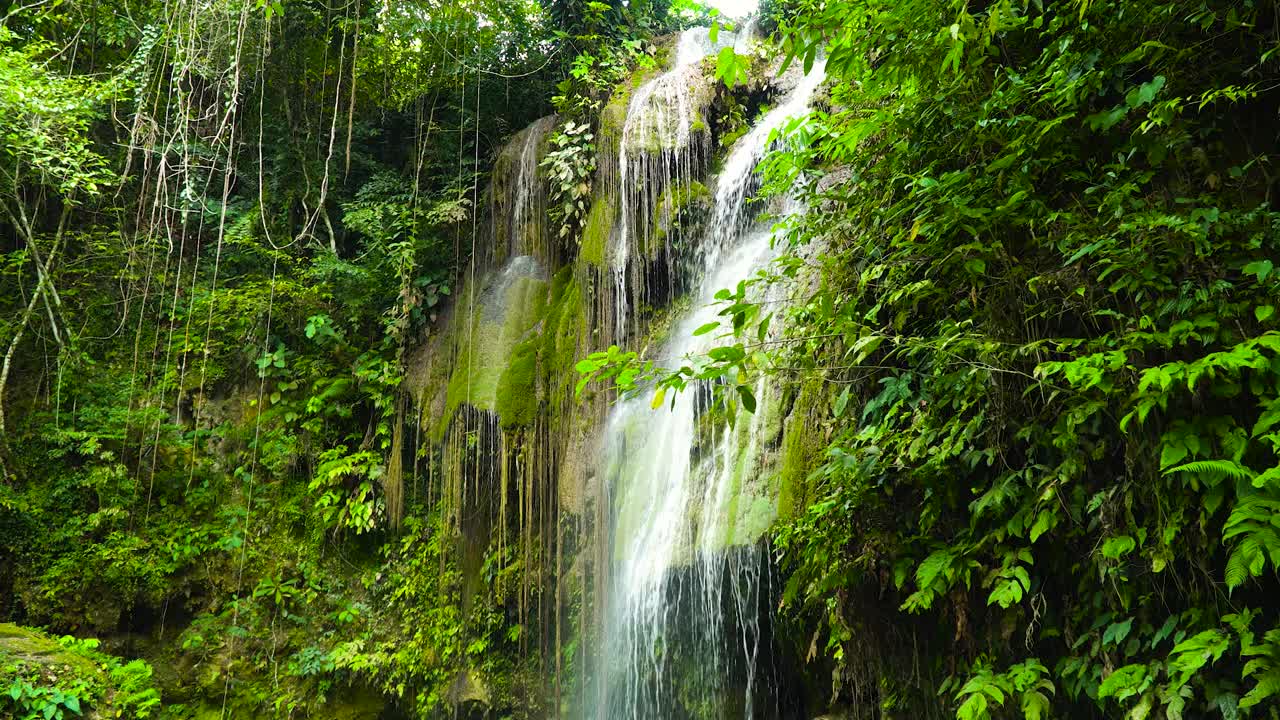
x=660 y=150
x=518 y=199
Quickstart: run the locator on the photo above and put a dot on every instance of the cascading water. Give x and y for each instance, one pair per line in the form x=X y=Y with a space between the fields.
x=661 y=148
x=517 y=201
x=682 y=635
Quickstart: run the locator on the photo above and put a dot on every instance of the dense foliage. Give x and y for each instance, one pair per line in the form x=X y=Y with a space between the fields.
x=1031 y=369
x=1044 y=352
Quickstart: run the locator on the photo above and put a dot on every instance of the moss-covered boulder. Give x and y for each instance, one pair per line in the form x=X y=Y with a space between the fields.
x=488 y=328
x=43 y=676
x=30 y=648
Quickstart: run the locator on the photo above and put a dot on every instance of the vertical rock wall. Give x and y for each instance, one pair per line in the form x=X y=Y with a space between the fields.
x=505 y=449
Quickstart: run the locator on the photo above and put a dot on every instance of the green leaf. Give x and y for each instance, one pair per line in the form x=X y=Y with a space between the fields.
x=1262 y=312
x=973 y=708
x=1117 y=632
x=1172 y=454
x=842 y=401
x=1237 y=572
x=729 y=68
x=748 y=399
x=1117 y=547
x=1229 y=468
x=704 y=329
x=1103 y=121
x=658 y=398
x=1195 y=652
x=1045 y=520
x=1268 y=685
x=1260 y=269
x=1035 y=705
x=1144 y=93
x=1123 y=682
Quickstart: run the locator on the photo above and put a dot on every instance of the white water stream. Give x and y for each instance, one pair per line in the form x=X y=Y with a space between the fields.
x=675 y=645
x=658 y=151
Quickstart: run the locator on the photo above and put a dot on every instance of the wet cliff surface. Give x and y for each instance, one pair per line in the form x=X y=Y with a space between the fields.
x=636 y=530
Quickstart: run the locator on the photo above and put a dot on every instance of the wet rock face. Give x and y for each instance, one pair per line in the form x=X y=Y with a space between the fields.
x=517 y=201
x=526 y=468
x=494 y=320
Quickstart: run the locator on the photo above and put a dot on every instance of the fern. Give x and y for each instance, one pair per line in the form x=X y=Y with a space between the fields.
x=1237 y=568
x=1264 y=668
x=1253 y=521
x=1229 y=468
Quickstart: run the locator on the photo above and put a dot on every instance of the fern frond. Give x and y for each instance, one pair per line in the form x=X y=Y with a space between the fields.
x=1237 y=568
x=1229 y=468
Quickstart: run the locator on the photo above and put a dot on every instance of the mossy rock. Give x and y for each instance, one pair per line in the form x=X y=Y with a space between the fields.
x=487 y=330
x=469 y=687
x=564 y=331
x=594 y=246
x=91 y=683
x=517 y=399
x=504 y=238
x=801 y=450
x=34 y=649
x=353 y=703
x=674 y=213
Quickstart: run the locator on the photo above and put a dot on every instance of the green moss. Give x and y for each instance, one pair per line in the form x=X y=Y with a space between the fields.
x=735 y=492
x=801 y=449
x=561 y=332
x=486 y=338
x=22 y=646
x=104 y=685
x=560 y=283
x=674 y=209
x=613 y=118
x=754 y=520
x=595 y=236
x=662 y=54
x=517 y=399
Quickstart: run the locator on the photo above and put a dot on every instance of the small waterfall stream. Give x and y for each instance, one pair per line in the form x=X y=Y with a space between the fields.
x=682 y=634
x=661 y=148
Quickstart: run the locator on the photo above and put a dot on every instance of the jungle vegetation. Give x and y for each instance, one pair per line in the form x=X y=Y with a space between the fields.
x=1034 y=354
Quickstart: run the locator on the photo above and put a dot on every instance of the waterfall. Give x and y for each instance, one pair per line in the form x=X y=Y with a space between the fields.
x=662 y=147
x=687 y=585
x=517 y=201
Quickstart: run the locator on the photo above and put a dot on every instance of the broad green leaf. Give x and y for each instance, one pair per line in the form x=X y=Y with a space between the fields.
x=1117 y=547
x=1117 y=632
x=842 y=401
x=1045 y=520
x=1123 y=682
x=1144 y=93
x=729 y=68
x=1260 y=269
x=704 y=329
x=659 y=397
